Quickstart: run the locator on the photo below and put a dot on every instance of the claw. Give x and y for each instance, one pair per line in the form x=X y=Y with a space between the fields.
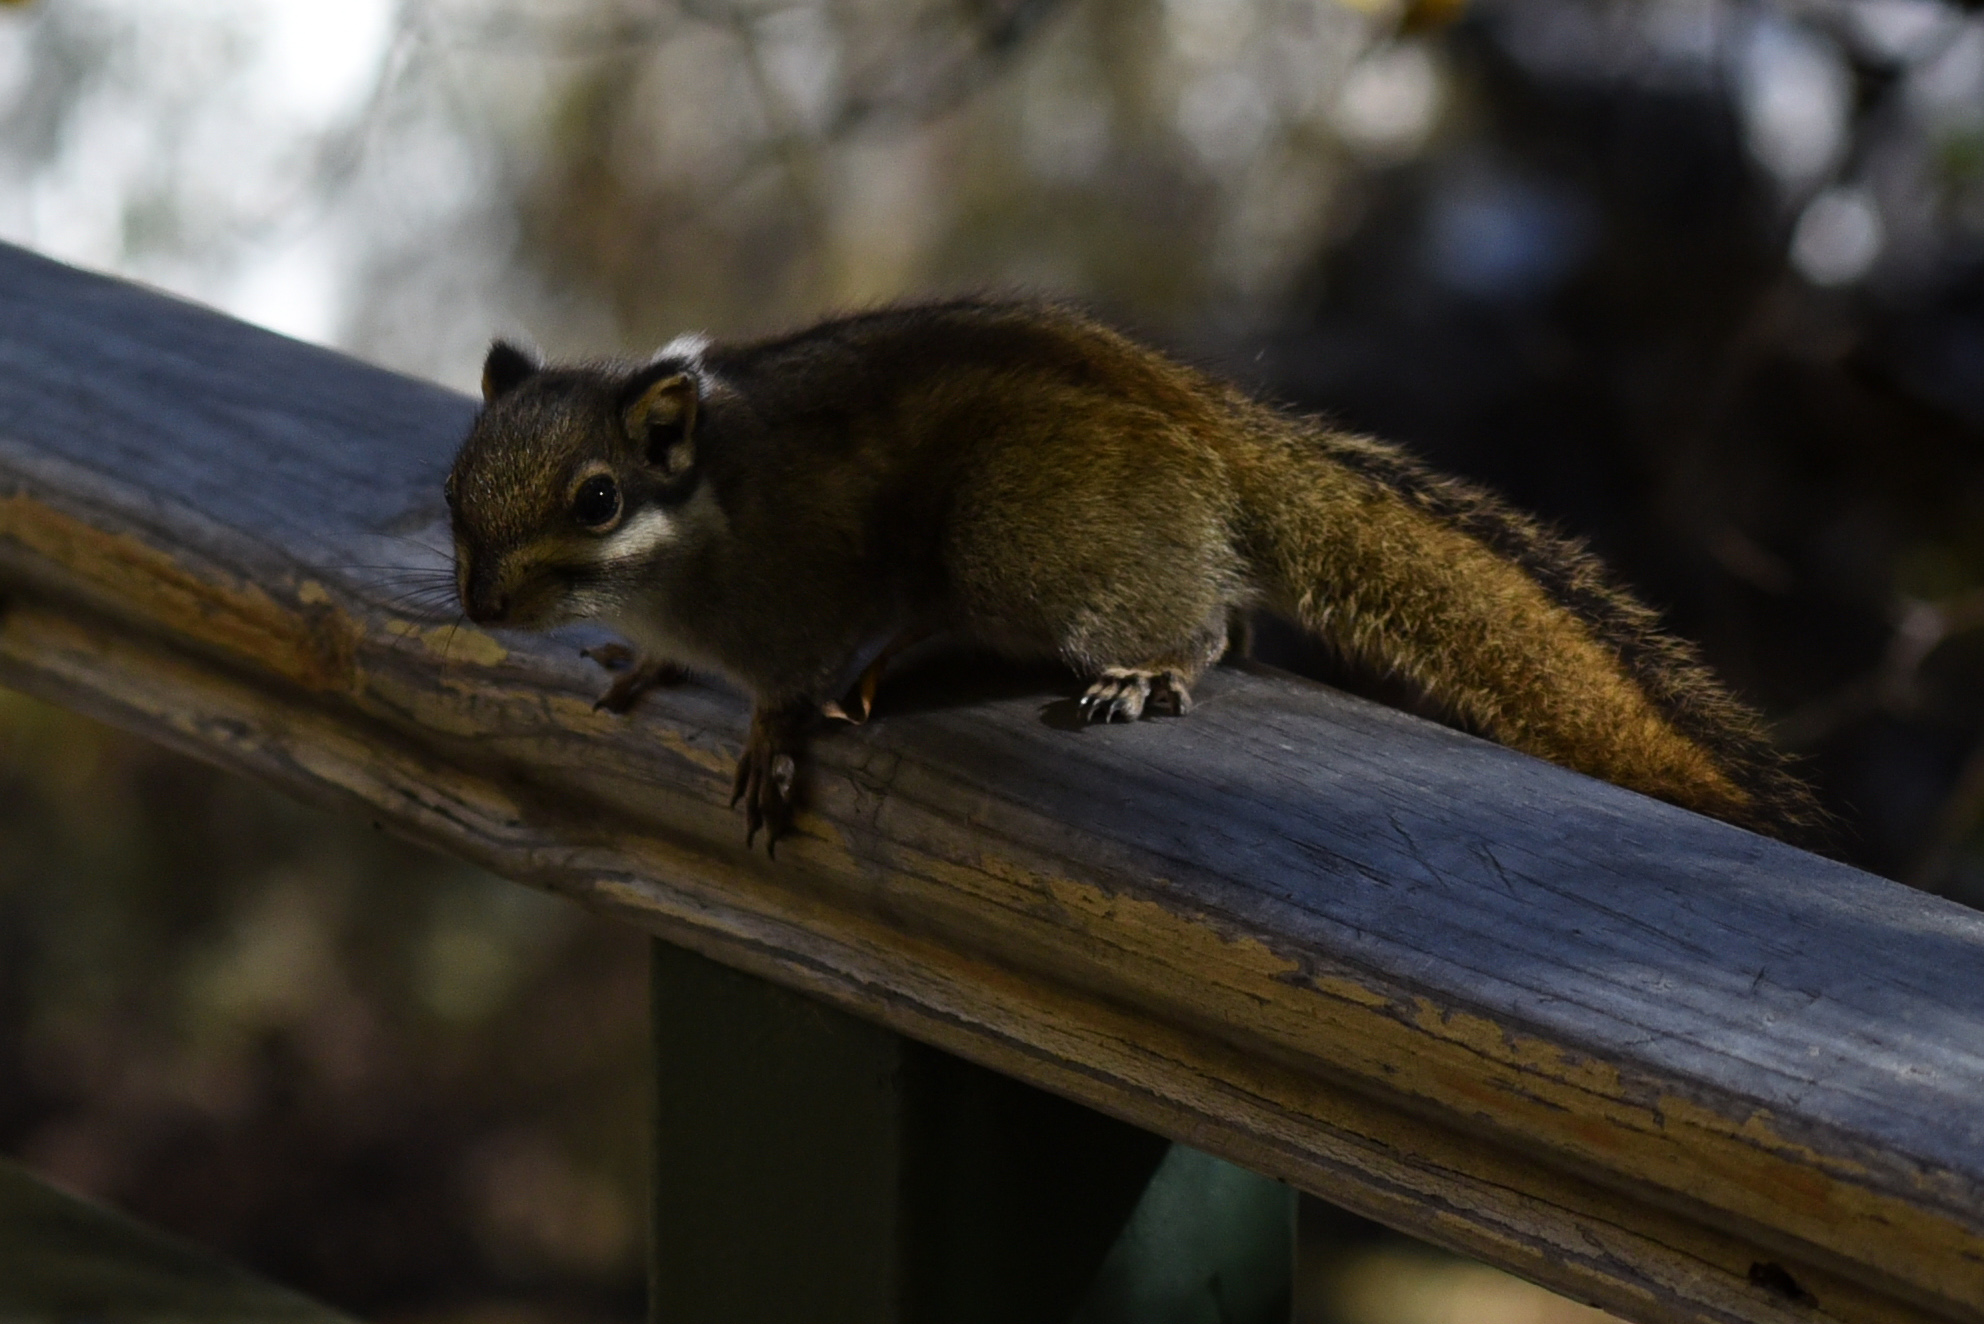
x=1118 y=695
x=859 y=703
x=1123 y=694
x=1169 y=695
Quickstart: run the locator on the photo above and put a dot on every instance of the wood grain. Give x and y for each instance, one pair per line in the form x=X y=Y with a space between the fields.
x=1639 y=1056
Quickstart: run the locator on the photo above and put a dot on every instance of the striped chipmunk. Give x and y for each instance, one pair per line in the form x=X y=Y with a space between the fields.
x=783 y=511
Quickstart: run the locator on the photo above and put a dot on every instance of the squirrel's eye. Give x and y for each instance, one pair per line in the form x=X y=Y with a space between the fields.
x=597 y=501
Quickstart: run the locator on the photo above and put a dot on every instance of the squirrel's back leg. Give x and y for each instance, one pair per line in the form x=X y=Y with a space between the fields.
x=1117 y=600
x=1097 y=527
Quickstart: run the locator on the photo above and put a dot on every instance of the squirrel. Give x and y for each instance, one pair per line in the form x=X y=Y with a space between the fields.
x=785 y=512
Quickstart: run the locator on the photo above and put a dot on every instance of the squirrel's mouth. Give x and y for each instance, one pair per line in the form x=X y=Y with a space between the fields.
x=543 y=597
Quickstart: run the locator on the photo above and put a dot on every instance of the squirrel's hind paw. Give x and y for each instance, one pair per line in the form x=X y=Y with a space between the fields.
x=1123 y=694
x=1117 y=696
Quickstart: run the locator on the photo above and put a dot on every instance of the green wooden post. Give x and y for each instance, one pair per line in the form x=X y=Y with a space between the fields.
x=66 y=1261
x=809 y=1165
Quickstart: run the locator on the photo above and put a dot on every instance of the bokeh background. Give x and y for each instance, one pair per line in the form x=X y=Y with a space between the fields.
x=1701 y=281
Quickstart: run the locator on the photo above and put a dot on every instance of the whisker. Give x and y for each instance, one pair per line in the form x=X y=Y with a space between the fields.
x=421 y=586
x=431 y=602
x=409 y=539
x=391 y=569
x=429 y=590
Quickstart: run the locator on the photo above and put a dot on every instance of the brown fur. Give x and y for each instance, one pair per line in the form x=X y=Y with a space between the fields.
x=1020 y=475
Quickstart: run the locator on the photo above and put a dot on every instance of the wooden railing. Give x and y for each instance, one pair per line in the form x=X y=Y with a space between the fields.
x=1643 y=1058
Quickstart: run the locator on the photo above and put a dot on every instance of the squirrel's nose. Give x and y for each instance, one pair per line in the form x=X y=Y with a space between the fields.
x=490 y=609
x=483 y=601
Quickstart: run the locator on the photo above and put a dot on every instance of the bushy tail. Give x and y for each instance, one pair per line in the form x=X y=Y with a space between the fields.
x=1511 y=630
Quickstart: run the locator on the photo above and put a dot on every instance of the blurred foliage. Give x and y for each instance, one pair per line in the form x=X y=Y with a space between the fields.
x=1700 y=280
x=399 y=1083
x=1163 y=160
x=1592 y=301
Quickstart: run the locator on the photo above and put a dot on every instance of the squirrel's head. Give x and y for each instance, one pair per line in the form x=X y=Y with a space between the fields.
x=571 y=483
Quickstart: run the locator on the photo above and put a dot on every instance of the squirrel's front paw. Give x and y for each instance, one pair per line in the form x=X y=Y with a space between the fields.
x=637 y=675
x=766 y=776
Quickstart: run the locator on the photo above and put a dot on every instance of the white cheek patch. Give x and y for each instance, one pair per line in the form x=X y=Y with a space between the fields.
x=640 y=537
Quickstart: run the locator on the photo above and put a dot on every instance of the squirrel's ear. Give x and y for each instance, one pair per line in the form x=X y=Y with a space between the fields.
x=506 y=368
x=660 y=417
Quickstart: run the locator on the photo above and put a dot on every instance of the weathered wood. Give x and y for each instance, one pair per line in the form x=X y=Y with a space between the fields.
x=63 y=1259
x=1636 y=1055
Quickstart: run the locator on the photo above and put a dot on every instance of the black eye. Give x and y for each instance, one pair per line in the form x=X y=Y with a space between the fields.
x=596 y=502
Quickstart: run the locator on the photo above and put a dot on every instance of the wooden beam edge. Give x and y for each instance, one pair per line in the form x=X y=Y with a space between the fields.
x=316 y=643
x=1452 y=1186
